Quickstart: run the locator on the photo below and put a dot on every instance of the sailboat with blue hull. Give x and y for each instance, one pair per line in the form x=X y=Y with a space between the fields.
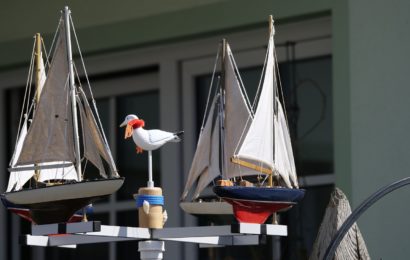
x=247 y=147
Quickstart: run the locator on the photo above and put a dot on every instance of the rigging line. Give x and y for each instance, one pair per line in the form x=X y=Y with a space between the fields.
x=238 y=76
x=26 y=98
x=261 y=78
x=45 y=52
x=323 y=109
x=93 y=101
x=281 y=88
x=210 y=88
x=85 y=166
x=54 y=39
x=82 y=113
x=81 y=57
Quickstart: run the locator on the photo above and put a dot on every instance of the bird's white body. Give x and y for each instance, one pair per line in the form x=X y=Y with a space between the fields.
x=152 y=139
x=147 y=139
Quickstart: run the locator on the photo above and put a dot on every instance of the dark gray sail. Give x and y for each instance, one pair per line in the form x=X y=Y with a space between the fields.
x=50 y=136
x=237 y=114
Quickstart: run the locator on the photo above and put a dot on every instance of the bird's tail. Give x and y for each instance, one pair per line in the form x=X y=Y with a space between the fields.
x=178 y=136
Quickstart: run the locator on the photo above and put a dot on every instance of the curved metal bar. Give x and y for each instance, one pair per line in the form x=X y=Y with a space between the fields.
x=334 y=243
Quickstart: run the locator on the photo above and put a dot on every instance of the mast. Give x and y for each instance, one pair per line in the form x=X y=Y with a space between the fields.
x=38 y=82
x=73 y=91
x=222 y=109
x=270 y=177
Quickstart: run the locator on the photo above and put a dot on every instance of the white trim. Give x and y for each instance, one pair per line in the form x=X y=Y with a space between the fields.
x=317 y=180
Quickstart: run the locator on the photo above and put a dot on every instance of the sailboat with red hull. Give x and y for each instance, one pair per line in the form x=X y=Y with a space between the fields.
x=240 y=140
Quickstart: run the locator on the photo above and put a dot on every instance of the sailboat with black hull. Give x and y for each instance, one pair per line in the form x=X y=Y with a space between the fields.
x=48 y=169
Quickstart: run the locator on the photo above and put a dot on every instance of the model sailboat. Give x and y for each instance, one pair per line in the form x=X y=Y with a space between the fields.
x=48 y=167
x=247 y=142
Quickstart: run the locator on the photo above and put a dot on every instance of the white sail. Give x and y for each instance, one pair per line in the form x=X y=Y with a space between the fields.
x=257 y=146
x=202 y=158
x=43 y=76
x=63 y=173
x=284 y=161
x=18 y=179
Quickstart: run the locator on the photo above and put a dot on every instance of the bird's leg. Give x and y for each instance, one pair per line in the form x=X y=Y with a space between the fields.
x=139 y=149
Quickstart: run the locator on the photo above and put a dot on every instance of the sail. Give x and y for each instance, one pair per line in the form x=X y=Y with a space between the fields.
x=43 y=76
x=212 y=171
x=257 y=146
x=237 y=114
x=50 y=136
x=60 y=173
x=202 y=157
x=284 y=161
x=18 y=179
x=94 y=145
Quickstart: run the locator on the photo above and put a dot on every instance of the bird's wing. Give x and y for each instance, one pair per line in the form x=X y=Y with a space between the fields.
x=156 y=136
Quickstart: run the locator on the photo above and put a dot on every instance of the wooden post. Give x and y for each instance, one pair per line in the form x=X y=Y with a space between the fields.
x=38 y=60
x=153 y=217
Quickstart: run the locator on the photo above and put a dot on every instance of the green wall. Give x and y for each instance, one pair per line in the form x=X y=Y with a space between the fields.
x=379 y=65
x=107 y=26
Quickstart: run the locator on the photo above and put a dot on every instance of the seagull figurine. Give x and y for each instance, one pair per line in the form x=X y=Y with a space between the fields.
x=147 y=139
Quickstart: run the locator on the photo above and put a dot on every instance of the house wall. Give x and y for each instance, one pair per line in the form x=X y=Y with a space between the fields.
x=104 y=27
x=379 y=62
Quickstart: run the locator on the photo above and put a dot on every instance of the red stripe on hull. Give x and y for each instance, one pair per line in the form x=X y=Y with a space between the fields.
x=26 y=214
x=247 y=211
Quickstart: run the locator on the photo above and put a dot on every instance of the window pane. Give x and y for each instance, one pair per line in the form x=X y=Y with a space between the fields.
x=133 y=166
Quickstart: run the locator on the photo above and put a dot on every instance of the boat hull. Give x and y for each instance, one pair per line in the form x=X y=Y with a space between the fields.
x=256 y=204
x=26 y=213
x=59 y=203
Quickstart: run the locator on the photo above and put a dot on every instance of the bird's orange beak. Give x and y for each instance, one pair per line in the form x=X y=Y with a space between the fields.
x=128 y=131
x=135 y=123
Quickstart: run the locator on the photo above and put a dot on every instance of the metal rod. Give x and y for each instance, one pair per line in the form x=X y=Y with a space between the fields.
x=73 y=91
x=270 y=176
x=150 y=183
x=222 y=108
x=334 y=243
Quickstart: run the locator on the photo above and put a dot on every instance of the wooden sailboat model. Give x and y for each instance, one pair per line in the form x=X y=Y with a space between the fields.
x=241 y=141
x=48 y=167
